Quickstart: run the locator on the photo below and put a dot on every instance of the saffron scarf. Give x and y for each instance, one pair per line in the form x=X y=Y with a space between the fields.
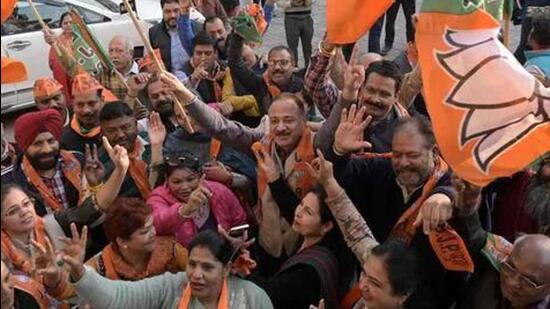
x=162 y=260
x=138 y=170
x=304 y=153
x=18 y=258
x=445 y=241
x=223 y=303
x=75 y=125
x=271 y=87
x=71 y=170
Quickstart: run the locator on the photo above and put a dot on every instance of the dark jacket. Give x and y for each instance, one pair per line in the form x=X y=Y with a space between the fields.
x=160 y=38
x=72 y=141
x=84 y=214
x=372 y=187
x=253 y=82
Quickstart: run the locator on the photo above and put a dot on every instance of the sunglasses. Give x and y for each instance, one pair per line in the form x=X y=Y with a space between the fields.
x=188 y=162
x=511 y=272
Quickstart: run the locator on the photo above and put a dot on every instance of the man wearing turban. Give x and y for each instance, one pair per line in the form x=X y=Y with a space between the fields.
x=53 y=175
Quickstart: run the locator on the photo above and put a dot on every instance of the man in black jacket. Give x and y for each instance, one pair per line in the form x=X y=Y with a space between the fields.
x=279 y=76
x=383 y=189
x=173 y=36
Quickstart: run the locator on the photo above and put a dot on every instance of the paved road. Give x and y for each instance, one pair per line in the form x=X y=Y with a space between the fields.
x=276 y=33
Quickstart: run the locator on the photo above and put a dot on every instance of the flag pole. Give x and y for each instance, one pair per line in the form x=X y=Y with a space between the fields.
x=160 y=67
x=506 y=30
x=43 y=25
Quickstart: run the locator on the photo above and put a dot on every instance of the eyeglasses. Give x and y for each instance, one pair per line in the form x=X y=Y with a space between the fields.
x=189 y=162
x=283 y=63
x=511 y=272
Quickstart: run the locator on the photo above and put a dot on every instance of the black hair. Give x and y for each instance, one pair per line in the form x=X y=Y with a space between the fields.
x=540 y=32
x=296 y=99
x=421 y=124
x=164 y=2
x=211 y=19
x=281 y=48
x=220 y=248
x=229 y=5
x=184 y=159
x=401 y=266
x=385 y=68
x=62 y=18
x=7 y=188
x=115 y=110
x=203 y=38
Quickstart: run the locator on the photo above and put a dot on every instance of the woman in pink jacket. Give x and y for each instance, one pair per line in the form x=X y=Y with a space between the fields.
x=186 y=204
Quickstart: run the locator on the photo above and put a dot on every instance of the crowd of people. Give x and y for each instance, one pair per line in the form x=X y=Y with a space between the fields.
x=223 y=178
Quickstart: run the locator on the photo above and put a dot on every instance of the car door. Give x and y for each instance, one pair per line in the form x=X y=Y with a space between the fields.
x=23 y=40
x=9 y=91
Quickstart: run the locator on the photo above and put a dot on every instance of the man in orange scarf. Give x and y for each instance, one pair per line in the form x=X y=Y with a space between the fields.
x=408 y=197
x=88 y=99
x=51 y=175
x=119 y=127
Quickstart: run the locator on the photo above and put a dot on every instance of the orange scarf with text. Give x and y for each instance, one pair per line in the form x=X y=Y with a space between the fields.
x=71 y=170
x=138 y=170
x=304 y=153
x=447 y=244
x=162 y=260
x=75 y=125
x=271 y=87
x=223 y=302
x=19 y=259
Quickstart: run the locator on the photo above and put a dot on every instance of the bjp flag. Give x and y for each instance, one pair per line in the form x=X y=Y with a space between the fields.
x=348 y=20
x=490 y=116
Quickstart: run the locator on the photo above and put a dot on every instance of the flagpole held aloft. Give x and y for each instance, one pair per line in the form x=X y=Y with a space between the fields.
x=156 y=61
x=43 y=25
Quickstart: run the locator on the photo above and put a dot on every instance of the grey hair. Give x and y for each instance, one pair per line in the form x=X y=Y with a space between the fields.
x=129 y=45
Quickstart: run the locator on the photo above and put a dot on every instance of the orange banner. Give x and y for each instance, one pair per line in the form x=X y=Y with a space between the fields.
x=490 y=116
x=348 y=20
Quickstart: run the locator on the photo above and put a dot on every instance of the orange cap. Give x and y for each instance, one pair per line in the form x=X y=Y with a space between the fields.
x=45 y=87
x=83 y=83
x=108 y=96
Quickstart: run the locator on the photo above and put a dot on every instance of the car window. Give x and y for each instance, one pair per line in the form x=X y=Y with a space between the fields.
x=91 y=17
x=23 y=19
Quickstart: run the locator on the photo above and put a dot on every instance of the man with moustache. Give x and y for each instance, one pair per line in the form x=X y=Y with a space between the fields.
x=119 y=126
x=43 y=169
x=279 y=76
x=506 y=275
x=215 y=27
x=377 y=89
x=48 y=93
x=88 y=99
x=385 y=189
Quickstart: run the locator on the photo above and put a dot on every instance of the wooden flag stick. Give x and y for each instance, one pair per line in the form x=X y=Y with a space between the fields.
x=506 y=30
x=156 y=61
x=43 y=25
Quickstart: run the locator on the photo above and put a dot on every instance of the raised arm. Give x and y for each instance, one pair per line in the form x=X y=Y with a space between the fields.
x=355 y=230
x=213 y=123
x=240 y=71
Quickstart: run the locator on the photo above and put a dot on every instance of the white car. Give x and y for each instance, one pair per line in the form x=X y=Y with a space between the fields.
x=26 y=43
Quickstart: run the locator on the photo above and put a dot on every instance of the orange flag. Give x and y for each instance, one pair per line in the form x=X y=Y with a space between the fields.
x=13 y=71
x=7 y=9
x=348 y=20
x=490 y=116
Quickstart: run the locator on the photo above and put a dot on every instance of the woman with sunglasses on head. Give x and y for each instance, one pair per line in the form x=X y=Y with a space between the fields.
x=186 y=204
x=207 y=282
x=134 y=251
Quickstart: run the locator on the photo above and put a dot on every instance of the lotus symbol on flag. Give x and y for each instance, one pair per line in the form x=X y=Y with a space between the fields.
x=503 y=103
